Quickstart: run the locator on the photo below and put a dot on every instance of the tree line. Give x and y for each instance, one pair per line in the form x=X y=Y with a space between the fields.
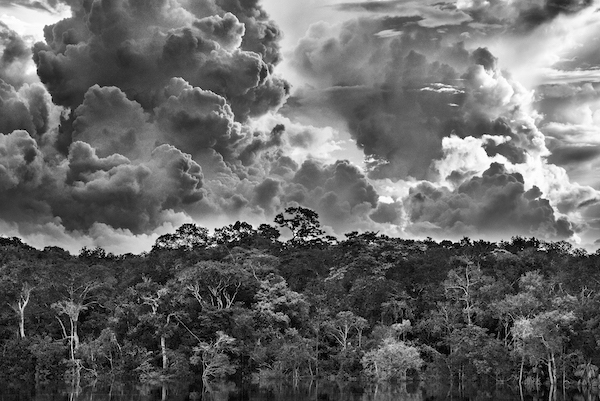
x=241 y=303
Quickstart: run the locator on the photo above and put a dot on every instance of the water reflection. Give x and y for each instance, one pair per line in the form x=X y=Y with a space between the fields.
x=282 y=391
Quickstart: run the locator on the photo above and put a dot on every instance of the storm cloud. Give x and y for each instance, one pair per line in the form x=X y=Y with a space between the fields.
x=401 y=96
x=139 y=47
x=145 y=115
x=495 y=205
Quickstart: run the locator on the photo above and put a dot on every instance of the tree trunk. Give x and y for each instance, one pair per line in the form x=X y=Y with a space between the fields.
x=75 y=336
x=163 y=351
x=554 y=369
x=20 y=306
x=22 y=323
x=317 y=359
x=521 y=372
x=551 y=370
x=72 y=339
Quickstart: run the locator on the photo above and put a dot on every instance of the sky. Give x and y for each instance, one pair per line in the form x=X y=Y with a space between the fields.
x=122 y=119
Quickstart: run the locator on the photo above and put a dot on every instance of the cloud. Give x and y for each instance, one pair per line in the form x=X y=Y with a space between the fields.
x=112 y=124
x=16 y=55
x=388 y=213
x=435 y=106
x=493 y=205
x=124 y=195
x=170 y=111
x=139 y=48
x=339 y=192
x=193 y=119
x=86 y=189
x=521 y=16
x=117 y=241
x=21 y=162
x=400 y=96
x=48 y=6
x=573 y=154
x=428 y=14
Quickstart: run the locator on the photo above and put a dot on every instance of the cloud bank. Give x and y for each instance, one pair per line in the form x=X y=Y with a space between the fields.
x=145 y=115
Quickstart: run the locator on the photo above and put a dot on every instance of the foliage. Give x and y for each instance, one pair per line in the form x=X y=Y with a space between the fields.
x=519 y=311
x=391 y=360
x=214 y=358
x=303 y=223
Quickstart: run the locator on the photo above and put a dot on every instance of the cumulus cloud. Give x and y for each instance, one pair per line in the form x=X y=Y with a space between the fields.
x=401 y=96
x=16 y=55
x=493 y=205
x=339 y=192
x=433 y=105
x=139 y=46
x=116 y=192
x=170 y=111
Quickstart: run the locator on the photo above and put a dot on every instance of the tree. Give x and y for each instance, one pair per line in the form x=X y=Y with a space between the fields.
x=79 y=287
x=150 y=313
x=542 y=316
x=238 y=234
x=343 y=325
x=303 y=223
x=214 y=358
x=214 y=284
x=18 y=280
x=278 y=305
x=462 y=285
x=391 y=360
x=542 y=338
x=187 y=237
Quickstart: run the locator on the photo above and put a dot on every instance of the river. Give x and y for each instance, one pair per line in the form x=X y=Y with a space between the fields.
x=282 y=391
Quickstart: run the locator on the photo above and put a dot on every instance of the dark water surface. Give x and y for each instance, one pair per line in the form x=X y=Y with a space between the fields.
x=282 y=391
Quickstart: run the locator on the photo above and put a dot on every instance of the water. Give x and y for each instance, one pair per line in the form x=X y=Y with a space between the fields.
x=281 y=391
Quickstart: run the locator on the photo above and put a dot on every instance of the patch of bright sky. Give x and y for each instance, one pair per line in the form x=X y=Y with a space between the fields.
x=547 y=45
x=30 y=22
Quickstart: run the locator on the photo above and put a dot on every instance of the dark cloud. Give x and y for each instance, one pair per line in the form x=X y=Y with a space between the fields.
x=15 y=113
x=524 y=16
x=87 y=189
x=26 y=109
x=228 y=31
x=14 y=46
x=262 y=34
x=161 y=98
x=339 y=192
x=369 y=6
x=387 y=213
x=438 y=14
x=536 y=15
x=266 y=194
x=21 y=162
x=193 y=119
x=400 y=96
x=573 y=154
x=139 y=46
x=250 y=152
x=493 y=205
x=112 y=124
x=482 y=56
x=121 y=194
x=284 y=166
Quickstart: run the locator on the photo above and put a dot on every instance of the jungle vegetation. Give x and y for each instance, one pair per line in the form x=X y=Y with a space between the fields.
x=240 y=303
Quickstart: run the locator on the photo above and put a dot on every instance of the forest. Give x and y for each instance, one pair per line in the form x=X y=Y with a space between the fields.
x=242 y=304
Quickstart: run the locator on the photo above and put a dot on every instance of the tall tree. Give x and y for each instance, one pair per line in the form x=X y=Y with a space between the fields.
x=303 y=223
